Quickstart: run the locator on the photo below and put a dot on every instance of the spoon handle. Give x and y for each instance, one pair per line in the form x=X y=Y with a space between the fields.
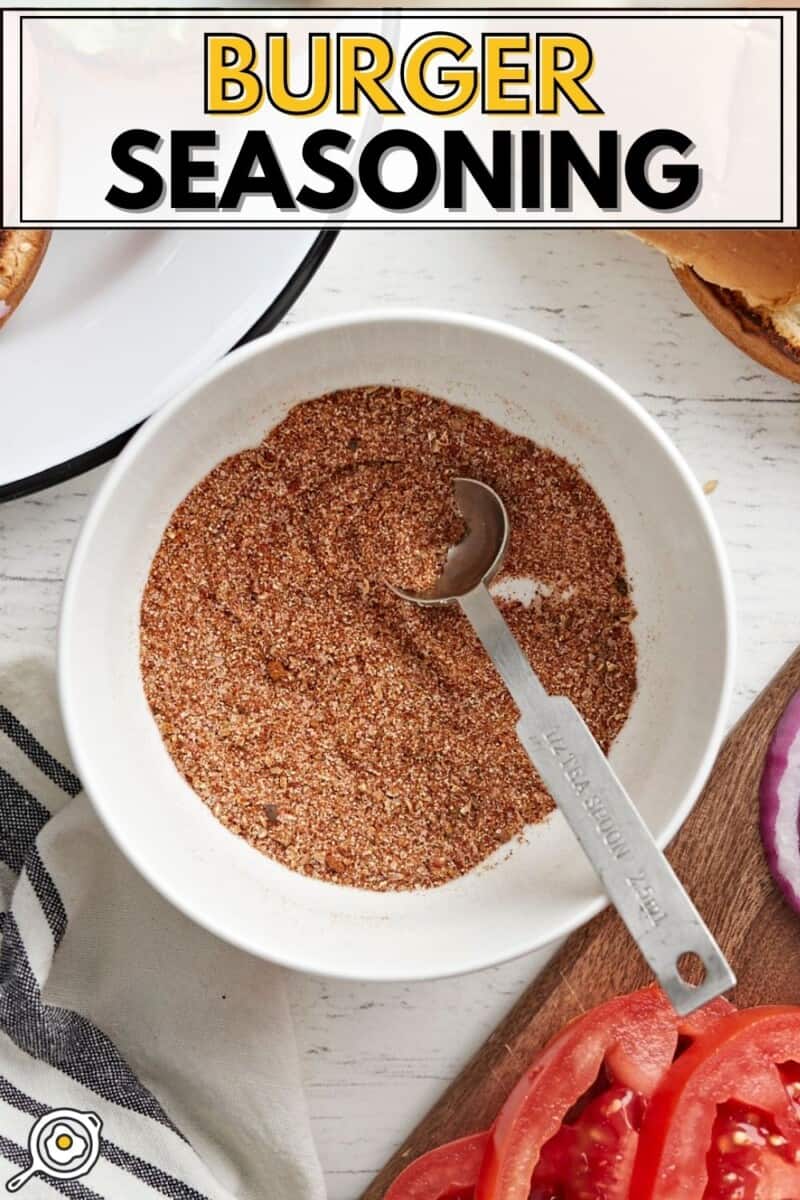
x=637 y=877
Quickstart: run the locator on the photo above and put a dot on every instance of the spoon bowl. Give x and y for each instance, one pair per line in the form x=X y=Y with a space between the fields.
x=478 y=556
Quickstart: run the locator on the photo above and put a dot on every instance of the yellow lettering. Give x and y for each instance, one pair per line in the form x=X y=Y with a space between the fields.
x=232 y=85
x=461 y=81
x=497 y=73
x=365 y=60
x=317 y=95
x=564 y=61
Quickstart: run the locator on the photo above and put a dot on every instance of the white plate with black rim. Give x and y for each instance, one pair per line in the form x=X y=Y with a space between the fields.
x=118 y=321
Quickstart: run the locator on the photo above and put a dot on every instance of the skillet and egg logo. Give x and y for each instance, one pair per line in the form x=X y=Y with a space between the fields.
x=63 y=1144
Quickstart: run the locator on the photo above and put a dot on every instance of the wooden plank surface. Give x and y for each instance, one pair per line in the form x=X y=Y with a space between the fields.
x=718 y=855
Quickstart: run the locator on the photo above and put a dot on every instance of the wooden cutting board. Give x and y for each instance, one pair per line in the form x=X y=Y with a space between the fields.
x=718 y=856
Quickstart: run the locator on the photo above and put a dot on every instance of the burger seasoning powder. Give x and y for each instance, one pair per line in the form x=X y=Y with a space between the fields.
x=343 y=731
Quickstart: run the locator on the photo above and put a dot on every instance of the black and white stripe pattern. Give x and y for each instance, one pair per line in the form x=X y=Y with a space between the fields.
x=18 y=1155
x=64 y=1040
x=49 y=766
x=157 y=1179
x=22 y=819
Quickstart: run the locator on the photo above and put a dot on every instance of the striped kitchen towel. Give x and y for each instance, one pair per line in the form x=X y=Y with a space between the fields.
x=139 y=1056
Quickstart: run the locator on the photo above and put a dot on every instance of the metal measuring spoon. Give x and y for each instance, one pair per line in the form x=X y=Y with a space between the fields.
x=637 y=877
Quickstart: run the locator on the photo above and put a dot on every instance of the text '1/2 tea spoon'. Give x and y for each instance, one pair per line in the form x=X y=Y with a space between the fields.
x=637 y=877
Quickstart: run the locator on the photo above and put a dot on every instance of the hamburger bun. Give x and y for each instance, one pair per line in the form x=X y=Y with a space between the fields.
x=747 y=282
x=21 y=254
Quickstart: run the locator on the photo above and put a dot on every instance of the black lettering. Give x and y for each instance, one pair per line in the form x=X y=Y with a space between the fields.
x=425 y=181
x=256 y=153
x=344 y=187
x=152 y=190
x=185 y=168
x=531 y=170
x=686 y=175
x=567 y=157
x=461 y=158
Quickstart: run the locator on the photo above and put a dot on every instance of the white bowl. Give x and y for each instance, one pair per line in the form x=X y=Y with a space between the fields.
x=684 y=632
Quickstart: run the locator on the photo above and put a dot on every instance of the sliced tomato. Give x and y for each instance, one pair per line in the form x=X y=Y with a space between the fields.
x=448 y=1173
x=569 y=1130
x=690 y=1028
x=594 y=1155
x=725 y=1122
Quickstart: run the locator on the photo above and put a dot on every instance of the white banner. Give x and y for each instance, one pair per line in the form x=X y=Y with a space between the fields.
x=415 y=118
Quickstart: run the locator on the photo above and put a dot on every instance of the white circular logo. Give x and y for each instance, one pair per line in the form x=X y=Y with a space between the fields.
x=63 y=1144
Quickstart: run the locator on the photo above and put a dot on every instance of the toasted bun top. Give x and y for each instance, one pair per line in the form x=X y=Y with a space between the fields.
x=774 y=342
x=762 y=264
x=21 y=252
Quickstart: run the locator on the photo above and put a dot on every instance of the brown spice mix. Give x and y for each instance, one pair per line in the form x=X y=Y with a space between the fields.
x=342 y=731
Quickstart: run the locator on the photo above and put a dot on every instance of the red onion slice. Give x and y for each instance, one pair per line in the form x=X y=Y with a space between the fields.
x=780 y=803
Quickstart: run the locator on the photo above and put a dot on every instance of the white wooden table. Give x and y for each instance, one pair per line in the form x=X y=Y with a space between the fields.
x=375 y=1057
